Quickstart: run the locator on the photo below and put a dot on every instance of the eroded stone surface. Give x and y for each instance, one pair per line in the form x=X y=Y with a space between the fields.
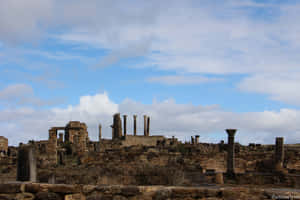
x=120 y=192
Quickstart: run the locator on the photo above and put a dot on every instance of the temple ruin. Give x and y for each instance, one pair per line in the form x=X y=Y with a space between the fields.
x=131 y=158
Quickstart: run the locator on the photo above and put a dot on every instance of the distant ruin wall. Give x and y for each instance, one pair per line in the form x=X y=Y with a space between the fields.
x=3 y=144
x=132 y=140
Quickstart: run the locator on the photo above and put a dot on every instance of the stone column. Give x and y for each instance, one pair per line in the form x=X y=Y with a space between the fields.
x=51 y=179
x=112 y=131
x=197 y=139
x=125 y=124
x=61 y=138
x=26 y=164
x=230 y=151
x=192 y=140
x=134 y=125
x=52 y=146
x=61 y=157
x=145 y=125
x=279 y=152
x=148 y=126
x=117 y=127
x=100 y=132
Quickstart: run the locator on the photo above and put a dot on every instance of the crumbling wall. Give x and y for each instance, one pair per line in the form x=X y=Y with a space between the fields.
x=51 y=148
x=3 y=144
x=75 y=128
x=141 y=140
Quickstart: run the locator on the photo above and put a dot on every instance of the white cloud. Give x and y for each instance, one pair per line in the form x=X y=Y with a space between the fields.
x=182 y=80
x=183 y=36
x=23 y=20
x=193 y=37
x=280 y=87
x=23 y=124
x=135 y=49
x=91 y=105
x=167 y=118
x=184 y=120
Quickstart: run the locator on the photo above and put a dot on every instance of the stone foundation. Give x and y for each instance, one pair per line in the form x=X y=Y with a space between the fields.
x=30 y=191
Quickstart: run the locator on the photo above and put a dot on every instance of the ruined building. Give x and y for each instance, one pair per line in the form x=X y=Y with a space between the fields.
x=132 y=158
x=3 y=145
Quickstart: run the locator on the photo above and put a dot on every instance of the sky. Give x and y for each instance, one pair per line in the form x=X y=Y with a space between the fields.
x=195 y=67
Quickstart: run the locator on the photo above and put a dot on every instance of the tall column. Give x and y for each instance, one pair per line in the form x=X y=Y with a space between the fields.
x=148 y=126
x=192 y=140
x=26 y=164
x=117 y=126
x=279 y=152
x=125 y=124
x=61 y=138
x=134 y=125
x=230 y=151
x=112 y=131
x=100 y=132
x=52 y=146
x=197 y=139
x=145 y=125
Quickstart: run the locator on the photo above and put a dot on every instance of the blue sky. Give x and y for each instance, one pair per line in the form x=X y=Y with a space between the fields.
x=193 y=66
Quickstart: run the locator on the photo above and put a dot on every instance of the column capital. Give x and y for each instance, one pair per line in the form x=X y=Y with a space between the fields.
x=279 y=139
x=231 y=132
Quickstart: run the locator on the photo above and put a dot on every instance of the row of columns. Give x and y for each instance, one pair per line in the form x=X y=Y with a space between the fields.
x=146 y=125
x=116 y=121
x=195 y=140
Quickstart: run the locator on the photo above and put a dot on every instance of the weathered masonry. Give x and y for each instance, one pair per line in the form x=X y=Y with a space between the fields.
x=230 y=151
x=3 y=145
x=26 y=163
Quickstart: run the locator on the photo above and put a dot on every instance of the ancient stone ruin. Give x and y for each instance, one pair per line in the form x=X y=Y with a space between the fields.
x=26 y=164
x=230 y=152
x=3 y=145
x=141 y=159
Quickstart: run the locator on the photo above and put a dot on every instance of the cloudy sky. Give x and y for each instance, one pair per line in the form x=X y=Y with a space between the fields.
x=194 y=66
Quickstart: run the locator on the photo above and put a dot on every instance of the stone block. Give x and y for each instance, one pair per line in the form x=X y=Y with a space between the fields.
x=25 y=196
x=10 y=188
x=64 y=189
x=34 y=188
x=75 y=197
x=7 y=196
x=48 y=196
x=130 y=191
x=161 y=195
x=219 y=178
x=88 y=188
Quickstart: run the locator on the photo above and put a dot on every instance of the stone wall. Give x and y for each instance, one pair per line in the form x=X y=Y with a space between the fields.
x=30 y=191
x=51 y=148
x=132 y=140
x=3 y=144
x=75 y=128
